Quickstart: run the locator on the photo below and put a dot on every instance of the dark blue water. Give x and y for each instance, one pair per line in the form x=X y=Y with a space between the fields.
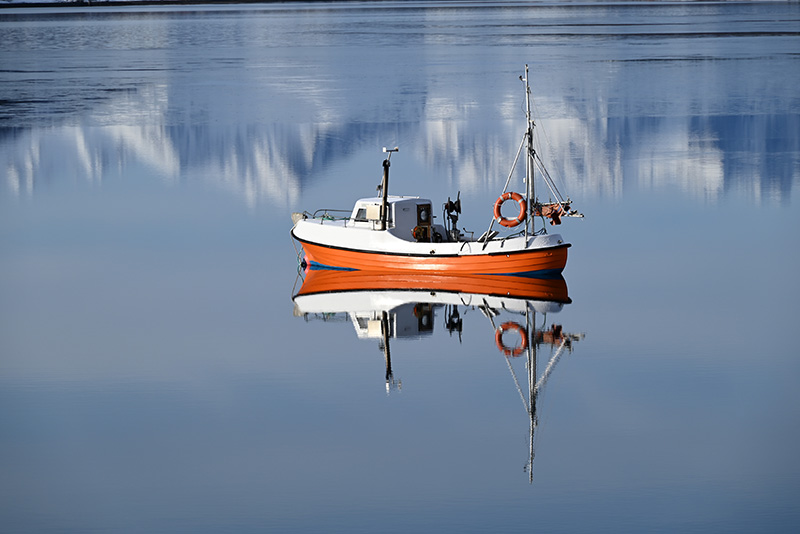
x=156 y=375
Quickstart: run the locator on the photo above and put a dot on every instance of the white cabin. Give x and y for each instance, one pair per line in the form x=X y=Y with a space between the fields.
x=408 y=218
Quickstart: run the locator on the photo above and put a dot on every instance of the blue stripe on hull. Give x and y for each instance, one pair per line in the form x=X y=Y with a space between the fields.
x=322 y=266
x=545 y=274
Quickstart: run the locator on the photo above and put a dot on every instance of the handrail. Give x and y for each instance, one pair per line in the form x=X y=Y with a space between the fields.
x=326 y=211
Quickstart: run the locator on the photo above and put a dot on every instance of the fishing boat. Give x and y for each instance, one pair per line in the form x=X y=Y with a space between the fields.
x=398 y=233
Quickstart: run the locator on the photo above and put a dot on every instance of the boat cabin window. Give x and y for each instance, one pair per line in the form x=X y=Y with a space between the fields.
x=371 y=213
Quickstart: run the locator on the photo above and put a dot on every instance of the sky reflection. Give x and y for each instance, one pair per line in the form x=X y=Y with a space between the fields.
x=262 y=108
x=705 y=157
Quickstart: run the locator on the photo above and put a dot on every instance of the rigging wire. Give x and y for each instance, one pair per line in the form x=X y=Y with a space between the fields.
x=505 y=187
x=549 y=149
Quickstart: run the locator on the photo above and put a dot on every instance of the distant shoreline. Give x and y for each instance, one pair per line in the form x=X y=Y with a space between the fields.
x=107 y=3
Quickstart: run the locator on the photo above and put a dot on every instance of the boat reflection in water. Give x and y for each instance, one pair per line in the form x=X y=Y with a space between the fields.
x=382 y=306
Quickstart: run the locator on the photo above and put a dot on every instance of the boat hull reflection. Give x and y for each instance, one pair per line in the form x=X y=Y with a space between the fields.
x=511 y=288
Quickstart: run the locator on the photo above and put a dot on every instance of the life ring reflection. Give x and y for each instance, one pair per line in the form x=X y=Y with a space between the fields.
x=523 y=337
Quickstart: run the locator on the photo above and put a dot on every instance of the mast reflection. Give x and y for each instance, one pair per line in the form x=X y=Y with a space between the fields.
x=382 y=306
x=533 y=339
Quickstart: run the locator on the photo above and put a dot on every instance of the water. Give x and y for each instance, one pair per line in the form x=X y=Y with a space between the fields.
x=154 y=375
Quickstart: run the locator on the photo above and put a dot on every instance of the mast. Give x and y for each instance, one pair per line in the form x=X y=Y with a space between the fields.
x=385 y=186
x=530 y=154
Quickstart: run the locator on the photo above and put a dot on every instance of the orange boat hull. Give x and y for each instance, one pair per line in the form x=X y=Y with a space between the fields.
x=550 y=260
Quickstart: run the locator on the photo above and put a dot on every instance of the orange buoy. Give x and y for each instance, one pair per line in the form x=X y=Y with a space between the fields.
x=523 y=336
x=523 y=208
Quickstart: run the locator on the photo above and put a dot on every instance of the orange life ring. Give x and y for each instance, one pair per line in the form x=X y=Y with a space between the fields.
x=523 y=336
x=523 y=208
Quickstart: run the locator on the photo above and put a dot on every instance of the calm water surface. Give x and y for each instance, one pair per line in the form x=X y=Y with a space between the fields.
x=157 y=375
